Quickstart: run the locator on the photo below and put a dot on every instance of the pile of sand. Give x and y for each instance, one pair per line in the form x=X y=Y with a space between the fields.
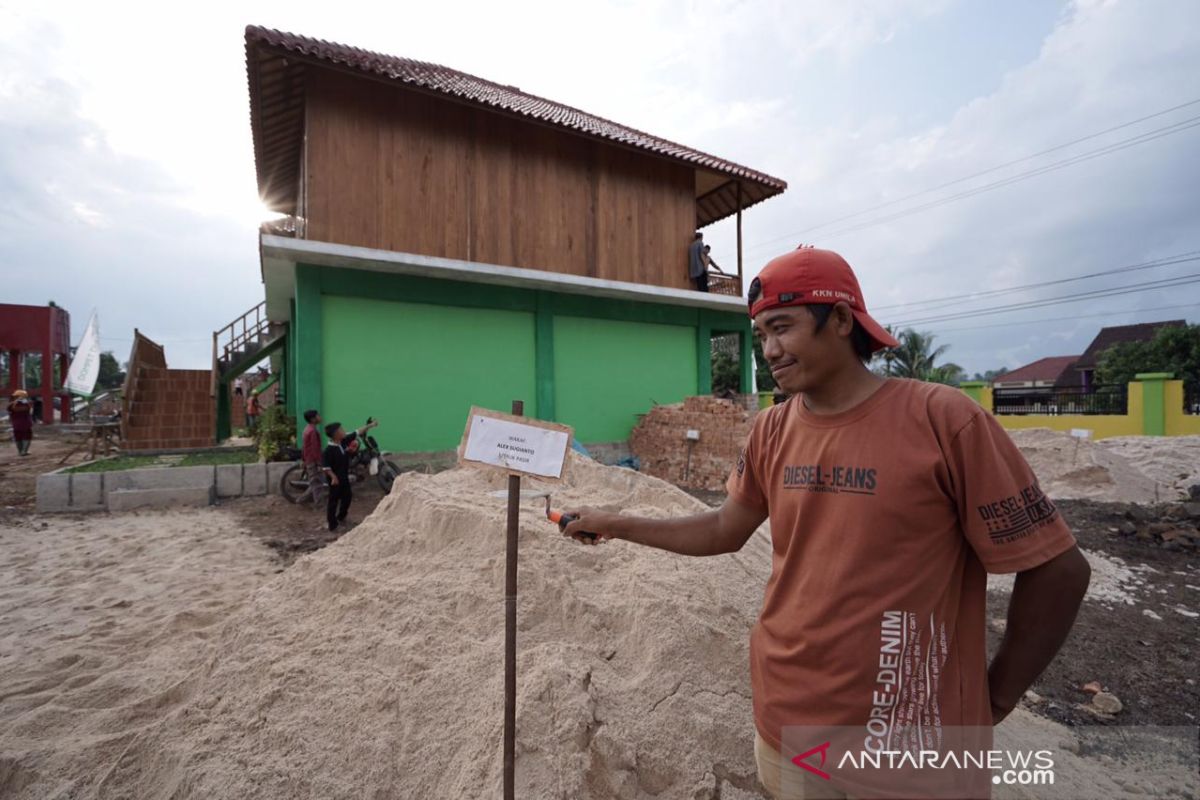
x=1172 y=461
x=1070 y=468
x=374 y=668
x=104 y=620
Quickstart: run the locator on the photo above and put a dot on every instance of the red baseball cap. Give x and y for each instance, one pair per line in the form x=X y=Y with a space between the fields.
x=808 y=276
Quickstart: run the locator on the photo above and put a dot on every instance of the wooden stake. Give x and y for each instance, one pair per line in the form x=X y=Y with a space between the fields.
x=510 y=623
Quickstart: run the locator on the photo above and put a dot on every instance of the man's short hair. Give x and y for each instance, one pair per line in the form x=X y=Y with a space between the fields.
x=331 y=428
x=699 y=235
x=310 y=415
x=858 y=336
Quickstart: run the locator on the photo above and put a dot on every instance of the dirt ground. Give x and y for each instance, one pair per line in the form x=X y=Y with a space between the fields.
x=18 y=476
x=1148 y=662
x=292 y=530
x=289 y=530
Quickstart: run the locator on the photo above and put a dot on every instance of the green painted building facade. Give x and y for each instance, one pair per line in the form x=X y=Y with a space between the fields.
x=417 y=345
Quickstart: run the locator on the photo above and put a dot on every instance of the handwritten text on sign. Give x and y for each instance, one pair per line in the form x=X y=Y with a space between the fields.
x=516 y=446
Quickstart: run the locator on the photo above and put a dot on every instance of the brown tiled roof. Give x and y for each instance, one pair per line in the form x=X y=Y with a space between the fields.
x=1044 y=369
x=276 y=112
x=1107 y=337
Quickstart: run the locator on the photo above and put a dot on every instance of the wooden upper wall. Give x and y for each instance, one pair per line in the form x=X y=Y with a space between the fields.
x=394 y=169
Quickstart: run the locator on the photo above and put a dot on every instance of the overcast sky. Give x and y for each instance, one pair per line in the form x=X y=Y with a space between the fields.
x=127 y=174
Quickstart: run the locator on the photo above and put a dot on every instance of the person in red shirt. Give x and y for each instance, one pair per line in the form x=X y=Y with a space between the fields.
x=889 y=502
x=20 y=414
x=252 y=411
x=310 y=453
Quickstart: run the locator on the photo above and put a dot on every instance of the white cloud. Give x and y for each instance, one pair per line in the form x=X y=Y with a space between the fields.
x=88 y=215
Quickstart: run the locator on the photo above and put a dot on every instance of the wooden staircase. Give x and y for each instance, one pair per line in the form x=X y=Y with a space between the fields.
x=236 y=348
x=244 y=342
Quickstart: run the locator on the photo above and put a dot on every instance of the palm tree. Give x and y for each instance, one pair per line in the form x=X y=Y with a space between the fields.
x=916 y=358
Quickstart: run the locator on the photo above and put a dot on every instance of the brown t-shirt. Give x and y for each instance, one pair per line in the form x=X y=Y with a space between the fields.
x=884 y=519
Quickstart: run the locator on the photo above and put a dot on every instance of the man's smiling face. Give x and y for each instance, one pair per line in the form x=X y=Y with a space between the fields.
x=799 y=356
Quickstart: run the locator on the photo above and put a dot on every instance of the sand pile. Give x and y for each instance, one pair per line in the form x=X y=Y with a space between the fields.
x=374 y=668
x=1069 y=468
x=104 y=620
x=1172 y=461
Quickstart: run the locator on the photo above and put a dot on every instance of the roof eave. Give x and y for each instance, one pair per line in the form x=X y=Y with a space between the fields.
x=255 y=44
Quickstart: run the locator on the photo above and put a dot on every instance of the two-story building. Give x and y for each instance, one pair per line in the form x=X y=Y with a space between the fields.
x=450 y=241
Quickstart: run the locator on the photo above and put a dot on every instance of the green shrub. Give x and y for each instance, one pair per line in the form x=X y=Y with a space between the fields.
x=274 y=434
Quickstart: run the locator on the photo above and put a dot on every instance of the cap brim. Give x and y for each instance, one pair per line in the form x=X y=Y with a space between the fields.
x=880 y=338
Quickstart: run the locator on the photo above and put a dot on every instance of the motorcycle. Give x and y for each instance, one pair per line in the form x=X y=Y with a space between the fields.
x=366 y=460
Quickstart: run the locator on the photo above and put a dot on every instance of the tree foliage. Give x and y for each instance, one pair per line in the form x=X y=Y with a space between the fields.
x=111 y=376
x=762 y=374
x=32 y=363
x=726 y=375
x=917 y=358
x=1174 y=349
x=990 y=375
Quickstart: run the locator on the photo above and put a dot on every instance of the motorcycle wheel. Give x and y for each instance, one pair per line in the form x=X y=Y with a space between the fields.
x=293 y=483
x=388 y=471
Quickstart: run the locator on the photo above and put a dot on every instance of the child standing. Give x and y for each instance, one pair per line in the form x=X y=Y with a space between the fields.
x=311 y=455
x=337 y=470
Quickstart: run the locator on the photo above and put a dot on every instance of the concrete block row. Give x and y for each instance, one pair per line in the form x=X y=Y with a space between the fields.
x=130 y=499
x=155 y=488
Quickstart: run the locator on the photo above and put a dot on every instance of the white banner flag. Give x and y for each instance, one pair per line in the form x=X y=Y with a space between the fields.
x=85 y=366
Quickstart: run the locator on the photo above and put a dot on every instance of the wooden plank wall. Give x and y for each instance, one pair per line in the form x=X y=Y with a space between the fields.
x=397 y=170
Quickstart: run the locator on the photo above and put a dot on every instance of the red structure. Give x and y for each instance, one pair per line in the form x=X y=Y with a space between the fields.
x=38 y=329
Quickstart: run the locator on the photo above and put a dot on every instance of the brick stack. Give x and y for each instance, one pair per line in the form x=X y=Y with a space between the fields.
x=660 y=441
x=237 y=408
x=170 y=409
x=237 y=405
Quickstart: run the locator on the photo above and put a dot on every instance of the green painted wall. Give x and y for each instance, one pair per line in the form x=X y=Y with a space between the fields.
x=418 y=368
x=607 y=371
x=305 y=334
x=605 y=359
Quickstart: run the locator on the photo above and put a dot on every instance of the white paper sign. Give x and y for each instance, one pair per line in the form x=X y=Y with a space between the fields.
x=516 y=446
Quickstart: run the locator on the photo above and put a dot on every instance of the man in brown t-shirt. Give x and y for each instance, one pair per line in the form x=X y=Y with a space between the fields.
x=889 y=501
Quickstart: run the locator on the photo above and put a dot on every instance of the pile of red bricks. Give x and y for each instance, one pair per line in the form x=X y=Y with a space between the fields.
x=660 y=441
x=170 y=408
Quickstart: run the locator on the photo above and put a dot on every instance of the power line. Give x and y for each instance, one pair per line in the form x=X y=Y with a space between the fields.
x=990 y=170
x=1165 y=261
x=1024 y=322
x=1116 y=147
x=1142 y=138
x=1165 y=283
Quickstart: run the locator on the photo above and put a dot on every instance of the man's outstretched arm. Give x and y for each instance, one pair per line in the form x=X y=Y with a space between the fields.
x=1041 y=612
x=723 y=530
